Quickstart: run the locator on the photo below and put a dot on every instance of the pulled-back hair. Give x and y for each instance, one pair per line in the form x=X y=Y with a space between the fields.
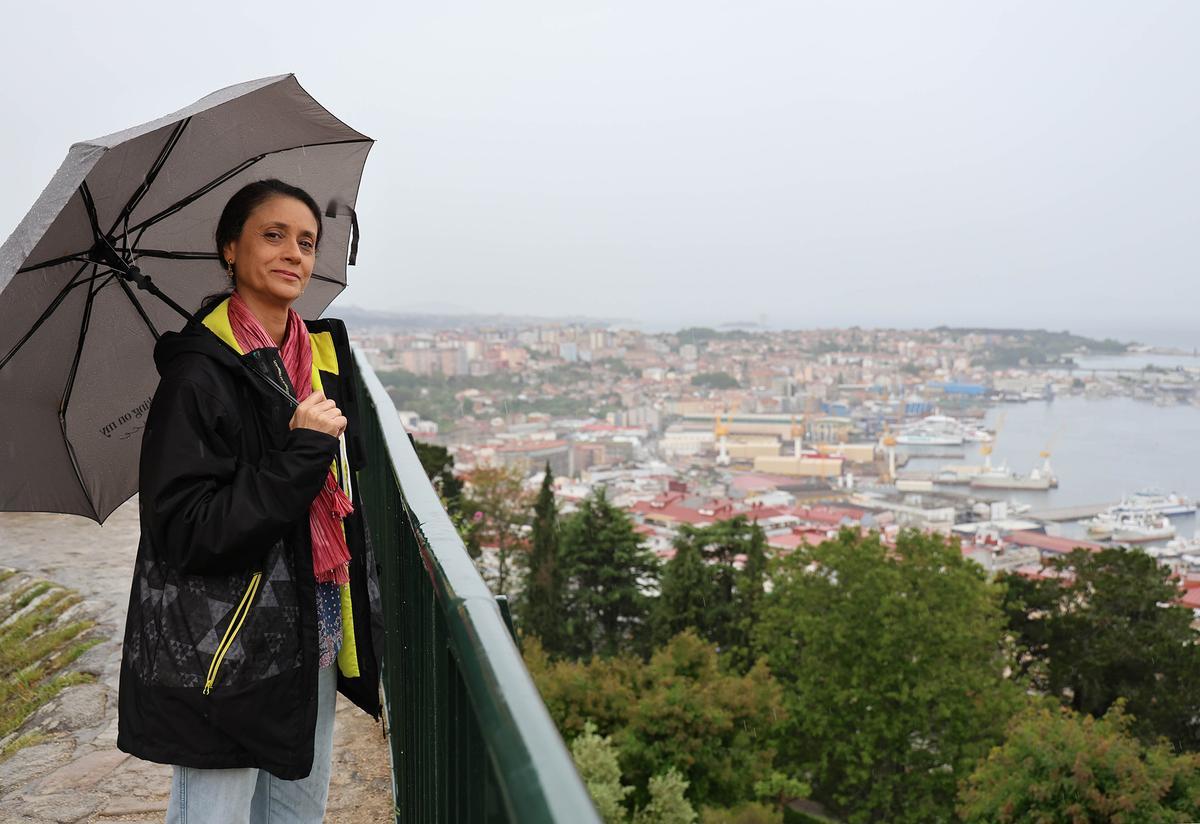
x=238 y=210
x=250 y=197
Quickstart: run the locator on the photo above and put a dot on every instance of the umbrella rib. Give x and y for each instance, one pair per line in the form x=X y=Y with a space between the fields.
x=62 y=293
x=90 y=205
x=140 y=228
x=141 y=310
x=217 y=181
x=66 y=398
x=151 y=175
x=76 y=257
x=169 y=255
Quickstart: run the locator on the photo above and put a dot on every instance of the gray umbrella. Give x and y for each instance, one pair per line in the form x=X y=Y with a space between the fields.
x=118 y=249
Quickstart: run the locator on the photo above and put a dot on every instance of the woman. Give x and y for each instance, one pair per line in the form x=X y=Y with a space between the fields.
x=255 y=594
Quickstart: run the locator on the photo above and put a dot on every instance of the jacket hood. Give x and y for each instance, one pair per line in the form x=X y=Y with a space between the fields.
x=197 y=337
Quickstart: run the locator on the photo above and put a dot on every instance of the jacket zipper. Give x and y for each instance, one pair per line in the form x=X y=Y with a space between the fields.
x=235 y=626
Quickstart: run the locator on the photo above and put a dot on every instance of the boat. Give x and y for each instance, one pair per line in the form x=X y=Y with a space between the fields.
x=1181 y=546
x=1101 y=526
x=1002 y=477
x=941 y=430
x=1142 y=528
x=920 y=438
x=1153 y=502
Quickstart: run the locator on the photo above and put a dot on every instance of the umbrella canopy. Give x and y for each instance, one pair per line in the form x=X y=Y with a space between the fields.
x=76 y=334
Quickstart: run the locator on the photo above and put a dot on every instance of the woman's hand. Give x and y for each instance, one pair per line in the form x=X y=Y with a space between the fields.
x=319 y=413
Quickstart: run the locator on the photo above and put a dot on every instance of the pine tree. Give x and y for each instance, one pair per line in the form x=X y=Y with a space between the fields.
x=604 y=572
x=438 y=464
x=687 y=593
x=706 y=590
x=541 y=601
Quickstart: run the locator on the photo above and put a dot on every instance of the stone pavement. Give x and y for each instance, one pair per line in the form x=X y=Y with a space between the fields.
x=77 y=774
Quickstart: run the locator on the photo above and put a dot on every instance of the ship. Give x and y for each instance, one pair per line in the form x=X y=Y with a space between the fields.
x=1144 y=504
x=1143 y=528
x=940 y=430
x=1102 y=525
x=1002 y=477
x=1152 y=502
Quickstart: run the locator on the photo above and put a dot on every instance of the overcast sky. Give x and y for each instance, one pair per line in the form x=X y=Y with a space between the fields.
x=802 y=163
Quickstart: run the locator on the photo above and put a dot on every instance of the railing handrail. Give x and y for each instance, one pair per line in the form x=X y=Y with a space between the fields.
x=535 y=771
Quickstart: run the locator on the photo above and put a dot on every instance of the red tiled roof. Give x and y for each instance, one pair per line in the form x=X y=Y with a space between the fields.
x=1050 y=543
x=530 y=446
x=827 y=514
x=1191 y=599
x=1038 y=572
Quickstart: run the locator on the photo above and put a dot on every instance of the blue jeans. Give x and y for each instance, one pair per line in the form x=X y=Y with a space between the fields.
x=252 y=796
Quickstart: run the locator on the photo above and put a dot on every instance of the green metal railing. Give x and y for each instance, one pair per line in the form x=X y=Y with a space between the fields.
x=470 y=737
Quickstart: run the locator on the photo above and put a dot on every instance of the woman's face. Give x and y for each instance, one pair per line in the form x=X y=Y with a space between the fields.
x=274 y=255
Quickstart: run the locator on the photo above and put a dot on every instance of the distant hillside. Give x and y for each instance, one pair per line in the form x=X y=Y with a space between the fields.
x=360 y=319
x=1056 y=342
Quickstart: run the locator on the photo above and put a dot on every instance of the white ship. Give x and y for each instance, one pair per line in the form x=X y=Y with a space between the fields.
x=1142 y=528
x=1102 y=525
x=940 y=430
x=1150 y=502
x=1002 y=477
x=1140 y=505
x=1179 y=547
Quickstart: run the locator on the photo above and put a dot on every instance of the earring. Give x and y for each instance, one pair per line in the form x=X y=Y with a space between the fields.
x=229 y=266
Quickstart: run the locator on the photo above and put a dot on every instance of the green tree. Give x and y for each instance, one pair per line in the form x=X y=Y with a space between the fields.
x=715 y=380
x=688 y=591
x=890 y=659
x=596 y=759
x=749 y=813
x=438 y=464
x=541 y=607
x=498 y=509
x=714 y=584
x=668 y=801
x=1056 y=765
x=719 y=730
x=1105 y=627
x=605 y=572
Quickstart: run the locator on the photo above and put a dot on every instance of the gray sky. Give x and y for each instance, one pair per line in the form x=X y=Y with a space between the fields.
x=810 y=163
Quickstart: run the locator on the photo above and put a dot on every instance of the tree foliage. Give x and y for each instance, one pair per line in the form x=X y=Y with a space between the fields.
x=605 y=574
x=1056 y=765
x=715 y=380
x=668 y=801
x=892 y=672
x=596 y=759
x=497 y=508
x=540 y=605
x=714 y=585
x=438 y=464
x=678 y=710
x=1105 y=627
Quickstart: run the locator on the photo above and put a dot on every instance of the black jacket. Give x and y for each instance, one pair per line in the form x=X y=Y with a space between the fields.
x=219 y=666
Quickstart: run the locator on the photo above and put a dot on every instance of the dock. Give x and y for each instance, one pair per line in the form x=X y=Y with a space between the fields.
x=1068 y=513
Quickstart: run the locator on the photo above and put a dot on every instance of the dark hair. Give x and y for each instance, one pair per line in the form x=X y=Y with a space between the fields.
x=237 y=211
x=250 y=197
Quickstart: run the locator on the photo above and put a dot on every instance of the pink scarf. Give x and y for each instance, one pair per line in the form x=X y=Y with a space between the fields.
x=331 y=558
